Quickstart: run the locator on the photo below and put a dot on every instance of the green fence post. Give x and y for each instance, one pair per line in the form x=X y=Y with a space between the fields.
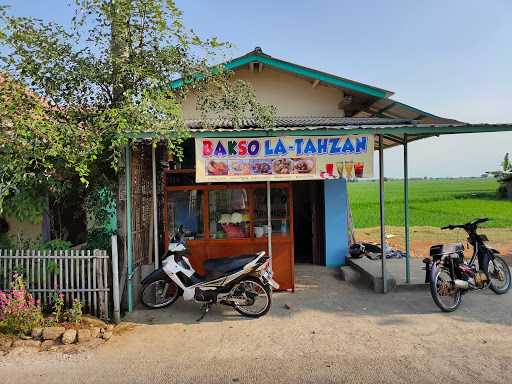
x=406 y=214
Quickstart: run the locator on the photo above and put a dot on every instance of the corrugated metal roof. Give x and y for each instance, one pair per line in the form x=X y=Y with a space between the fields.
x=295 y=122
x=394 y=131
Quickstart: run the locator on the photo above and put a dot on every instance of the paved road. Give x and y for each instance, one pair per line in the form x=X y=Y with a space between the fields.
x=333 y=333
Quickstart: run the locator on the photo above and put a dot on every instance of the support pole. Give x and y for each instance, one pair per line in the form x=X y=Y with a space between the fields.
x=381 y=202
x=115 y=281
x=155 y=207
x=269 y=225
x=406 y=214
x=128 y=173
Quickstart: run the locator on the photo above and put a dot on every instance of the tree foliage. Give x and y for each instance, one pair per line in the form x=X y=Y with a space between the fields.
x=71 y=98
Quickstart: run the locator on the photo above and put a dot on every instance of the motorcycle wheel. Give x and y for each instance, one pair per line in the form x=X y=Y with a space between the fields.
x=499 y=273
x=262 y=298
x=159 y=293
x=446 y=296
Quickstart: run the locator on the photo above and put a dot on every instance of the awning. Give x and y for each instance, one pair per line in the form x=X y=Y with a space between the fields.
x=394 y=131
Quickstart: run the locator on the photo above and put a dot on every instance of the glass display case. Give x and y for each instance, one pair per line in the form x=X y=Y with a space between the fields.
x=228 y=212
x=223 y=220
x=279 y=213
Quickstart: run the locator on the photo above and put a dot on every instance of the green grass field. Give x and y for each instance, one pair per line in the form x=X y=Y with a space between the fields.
x=431 y=203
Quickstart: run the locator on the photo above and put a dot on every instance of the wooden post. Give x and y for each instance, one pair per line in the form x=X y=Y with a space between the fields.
x=115 y=281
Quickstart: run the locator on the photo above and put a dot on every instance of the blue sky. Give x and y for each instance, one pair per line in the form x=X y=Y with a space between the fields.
x=450 y=58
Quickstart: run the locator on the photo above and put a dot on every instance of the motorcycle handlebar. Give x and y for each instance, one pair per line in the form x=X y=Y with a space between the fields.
x=467 y=225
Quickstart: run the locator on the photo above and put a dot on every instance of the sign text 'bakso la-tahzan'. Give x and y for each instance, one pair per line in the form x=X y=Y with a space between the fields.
x=284 y=158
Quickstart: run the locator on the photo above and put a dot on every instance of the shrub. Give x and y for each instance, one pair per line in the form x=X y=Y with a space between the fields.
x=58 y=305
x=19 y=312
x=57 y=245
x=74 y=314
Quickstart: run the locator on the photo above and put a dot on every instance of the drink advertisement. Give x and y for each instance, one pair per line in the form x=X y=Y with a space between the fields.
x=284 y=158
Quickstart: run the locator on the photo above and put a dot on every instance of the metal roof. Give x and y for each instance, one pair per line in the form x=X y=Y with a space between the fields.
x=294 y=122
x=394 y=131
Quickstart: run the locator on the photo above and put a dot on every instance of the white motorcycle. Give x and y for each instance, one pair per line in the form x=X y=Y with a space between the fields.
x=243 y=282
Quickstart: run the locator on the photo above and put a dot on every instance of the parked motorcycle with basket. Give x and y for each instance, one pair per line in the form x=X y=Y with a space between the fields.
x=450 y=276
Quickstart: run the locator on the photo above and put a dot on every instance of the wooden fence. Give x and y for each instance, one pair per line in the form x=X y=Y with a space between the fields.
x=79 y=275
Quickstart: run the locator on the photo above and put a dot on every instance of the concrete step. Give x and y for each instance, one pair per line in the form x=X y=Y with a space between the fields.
x=350 y=274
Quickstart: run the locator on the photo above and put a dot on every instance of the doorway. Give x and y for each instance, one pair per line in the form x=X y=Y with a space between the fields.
x=308 y=222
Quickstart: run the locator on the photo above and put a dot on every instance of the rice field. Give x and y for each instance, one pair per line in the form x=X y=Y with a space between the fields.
x=432 y=203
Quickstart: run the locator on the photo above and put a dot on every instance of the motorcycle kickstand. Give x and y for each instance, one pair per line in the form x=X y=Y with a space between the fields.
x=205 y=308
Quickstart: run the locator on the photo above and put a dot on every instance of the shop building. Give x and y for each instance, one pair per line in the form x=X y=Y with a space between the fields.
x=218 y=193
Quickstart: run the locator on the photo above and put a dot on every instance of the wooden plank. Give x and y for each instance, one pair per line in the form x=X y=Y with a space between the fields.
x=99 y=276
x=32 y=270
x=82 y=279
x=89 y=303
x=39 y=276
x=61 y=271
x=66 y=277
x=55 y=276
x=72 y=277
x=44 y=271
x=105 y=285
x=94 y=286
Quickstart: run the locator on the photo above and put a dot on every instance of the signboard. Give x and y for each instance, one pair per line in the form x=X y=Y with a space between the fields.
x=284 y=158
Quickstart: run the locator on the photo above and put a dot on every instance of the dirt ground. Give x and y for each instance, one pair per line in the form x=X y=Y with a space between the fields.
x=328 y=331
x=422 y=238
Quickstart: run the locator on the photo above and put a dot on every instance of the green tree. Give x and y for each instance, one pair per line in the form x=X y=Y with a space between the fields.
x=71 y=98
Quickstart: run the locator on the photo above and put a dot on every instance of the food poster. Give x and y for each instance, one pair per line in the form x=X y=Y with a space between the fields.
x=284 y=158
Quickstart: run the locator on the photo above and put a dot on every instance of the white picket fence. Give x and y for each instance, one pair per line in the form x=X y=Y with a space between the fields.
x=77 y=274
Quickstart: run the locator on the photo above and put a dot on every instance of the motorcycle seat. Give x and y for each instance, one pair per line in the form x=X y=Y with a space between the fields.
x=227 y=265
x=444 y=249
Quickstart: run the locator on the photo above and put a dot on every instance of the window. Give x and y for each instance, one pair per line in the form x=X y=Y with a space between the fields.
x=186 y=209
x=228 y=214
x=279 y=214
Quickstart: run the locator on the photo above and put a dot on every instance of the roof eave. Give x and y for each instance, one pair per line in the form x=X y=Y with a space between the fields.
x=301 y=71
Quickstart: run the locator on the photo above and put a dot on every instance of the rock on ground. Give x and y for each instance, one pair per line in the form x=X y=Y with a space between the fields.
x=26 y=343
x=84 y=335
x=95 y=332
x=52 y=333
x=93 y=321
x=37 y=332
x=50 y=345
x=69 y=336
